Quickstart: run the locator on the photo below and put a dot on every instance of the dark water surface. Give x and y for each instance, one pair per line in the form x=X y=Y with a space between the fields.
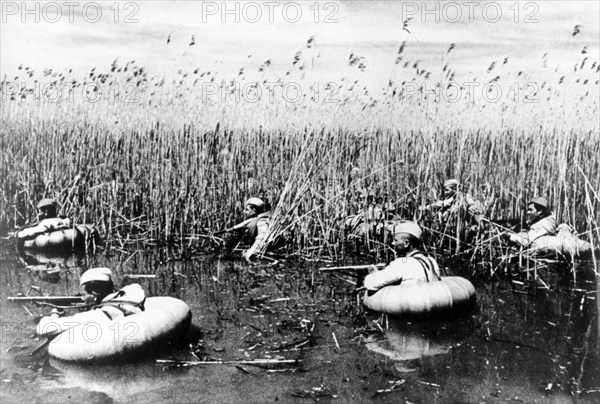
x=523 y=344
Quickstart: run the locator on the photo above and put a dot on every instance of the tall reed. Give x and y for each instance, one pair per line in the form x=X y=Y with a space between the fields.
x=175 y=162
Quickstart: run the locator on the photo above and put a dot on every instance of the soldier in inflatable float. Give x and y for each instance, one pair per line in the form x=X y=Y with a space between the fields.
x=411 y=264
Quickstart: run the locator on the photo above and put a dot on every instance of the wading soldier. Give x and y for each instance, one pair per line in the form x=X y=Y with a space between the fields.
x=255 y=227
x=456 y=204
x=411 y=264
x=458 y=214
x=367 y=223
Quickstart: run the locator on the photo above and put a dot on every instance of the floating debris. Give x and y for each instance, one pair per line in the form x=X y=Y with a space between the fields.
x=140 y=276
x=396 y=385
x=315 y=392
x=232 y=362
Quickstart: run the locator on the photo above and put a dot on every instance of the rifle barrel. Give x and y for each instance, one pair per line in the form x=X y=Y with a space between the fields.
x=379 y=266
x=495 y=224
x=57 y=299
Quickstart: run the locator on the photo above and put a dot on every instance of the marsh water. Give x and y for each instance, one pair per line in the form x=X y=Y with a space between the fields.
x=524 y=343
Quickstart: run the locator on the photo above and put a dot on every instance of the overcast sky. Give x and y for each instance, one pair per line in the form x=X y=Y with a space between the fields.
x=79 y=37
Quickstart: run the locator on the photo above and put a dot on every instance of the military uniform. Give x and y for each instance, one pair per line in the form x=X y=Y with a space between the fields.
x=460 y=205
x=256 y=231
x=413 y=266
x=543 y=227
x=127 y=301
x=44 y=226
x=49 y=222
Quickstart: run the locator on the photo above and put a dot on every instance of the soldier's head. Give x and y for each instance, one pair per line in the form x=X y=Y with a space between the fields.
x=450 y=188
x=48 y=208
x=537 y=209
x=95 y=284
x=253 y=207
x=407 y=237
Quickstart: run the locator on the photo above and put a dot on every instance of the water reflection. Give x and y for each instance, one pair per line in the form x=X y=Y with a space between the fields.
x=48 y=266
x=118 y=382
x=404 y=341
x=522 y=340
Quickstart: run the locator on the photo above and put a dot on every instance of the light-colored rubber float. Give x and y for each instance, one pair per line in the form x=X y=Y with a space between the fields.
x=91 y=336
x=421 y=300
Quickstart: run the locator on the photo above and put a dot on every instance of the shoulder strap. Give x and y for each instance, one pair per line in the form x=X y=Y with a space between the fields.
x=426 y=264
x=118 y=304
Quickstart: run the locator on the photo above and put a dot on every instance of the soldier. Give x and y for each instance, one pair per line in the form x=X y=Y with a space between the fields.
x=256 y=226
x=95 y=284
x=97 y=288
x=48 y=220
x=367 y=223
x=457 y=216
x=540 y=222
x=411 y=265
x=456 y=203
x=102 y=303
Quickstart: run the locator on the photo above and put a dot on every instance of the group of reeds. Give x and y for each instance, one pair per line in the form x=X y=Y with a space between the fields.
x=176 y=163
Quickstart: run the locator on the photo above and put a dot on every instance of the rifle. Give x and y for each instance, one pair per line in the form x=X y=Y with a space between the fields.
x=499 y=226
x=378 y=266
x=46 y=299
x=238 y=226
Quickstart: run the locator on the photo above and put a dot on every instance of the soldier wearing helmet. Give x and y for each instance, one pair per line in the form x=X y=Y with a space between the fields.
x=411 y=265
x=540 y=222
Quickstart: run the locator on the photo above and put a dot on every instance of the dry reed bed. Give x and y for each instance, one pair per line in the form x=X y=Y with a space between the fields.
x=172 y=164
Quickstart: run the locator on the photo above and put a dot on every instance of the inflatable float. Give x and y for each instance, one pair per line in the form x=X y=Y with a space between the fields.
x=71 y=239
x=571 y=247
x=92 y=337
x=422 y=300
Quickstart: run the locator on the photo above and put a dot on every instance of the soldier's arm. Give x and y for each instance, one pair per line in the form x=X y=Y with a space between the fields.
x=389 y=275
x=474 y=207
x=31 y=232
x=523 y=239
x=433 y=205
